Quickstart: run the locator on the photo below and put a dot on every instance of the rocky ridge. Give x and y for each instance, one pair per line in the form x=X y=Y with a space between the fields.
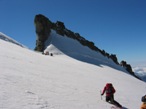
x=43 y=28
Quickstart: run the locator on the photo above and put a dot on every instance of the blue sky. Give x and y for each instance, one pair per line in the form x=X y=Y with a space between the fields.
x=116 y=26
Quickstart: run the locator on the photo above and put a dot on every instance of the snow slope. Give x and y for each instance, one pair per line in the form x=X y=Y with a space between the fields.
x=30 y=80
x=8 y=39
x=74 y=49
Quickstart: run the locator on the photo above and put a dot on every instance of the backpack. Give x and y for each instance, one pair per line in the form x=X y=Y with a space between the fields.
x=143 y=99
x=109 y=88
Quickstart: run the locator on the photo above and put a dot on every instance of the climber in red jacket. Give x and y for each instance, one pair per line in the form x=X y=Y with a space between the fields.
x=109 y=89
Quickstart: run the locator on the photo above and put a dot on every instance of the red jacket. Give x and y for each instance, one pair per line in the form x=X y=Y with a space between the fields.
x=106 y=88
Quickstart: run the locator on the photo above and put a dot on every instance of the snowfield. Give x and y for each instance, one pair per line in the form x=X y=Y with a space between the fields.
x=70 y=79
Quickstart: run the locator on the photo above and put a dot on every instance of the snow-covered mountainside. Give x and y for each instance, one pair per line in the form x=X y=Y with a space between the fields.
x=74 y=49
x=7 y=38
x=66 y=80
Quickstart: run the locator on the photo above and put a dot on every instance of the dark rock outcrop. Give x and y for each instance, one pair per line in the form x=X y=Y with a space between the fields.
x=114 y=58
x=128 y=68
x=60 y=28
x=43 y=28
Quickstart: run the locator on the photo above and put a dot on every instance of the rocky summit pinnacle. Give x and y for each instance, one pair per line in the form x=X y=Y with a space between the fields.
x=43 y=29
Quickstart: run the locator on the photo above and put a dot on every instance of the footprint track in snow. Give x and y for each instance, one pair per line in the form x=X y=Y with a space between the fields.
x=35 y=101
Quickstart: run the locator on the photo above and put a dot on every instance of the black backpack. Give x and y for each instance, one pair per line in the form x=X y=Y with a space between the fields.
x=143 y=99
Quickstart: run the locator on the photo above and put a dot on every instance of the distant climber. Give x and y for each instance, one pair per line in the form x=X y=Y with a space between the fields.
x=47 y=53
x=143 y=99
x=51 y=54
x=109 y=89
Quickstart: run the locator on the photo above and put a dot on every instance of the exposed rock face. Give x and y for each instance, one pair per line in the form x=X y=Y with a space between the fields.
x=114 y=58
x=60 y=28
x=43 y=29
x=128 y=68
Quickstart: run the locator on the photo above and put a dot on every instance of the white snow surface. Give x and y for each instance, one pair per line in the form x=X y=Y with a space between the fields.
x=70 y=79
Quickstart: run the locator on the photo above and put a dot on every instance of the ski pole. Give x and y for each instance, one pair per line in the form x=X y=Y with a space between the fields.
x=100 y=94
